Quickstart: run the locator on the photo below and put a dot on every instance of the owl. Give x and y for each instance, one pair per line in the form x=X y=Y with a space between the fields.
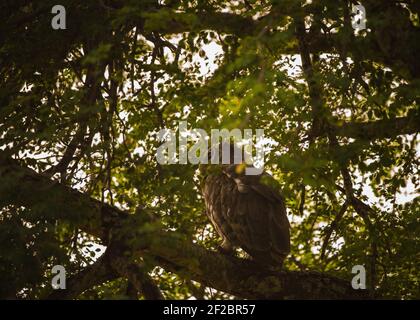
x=246 y=211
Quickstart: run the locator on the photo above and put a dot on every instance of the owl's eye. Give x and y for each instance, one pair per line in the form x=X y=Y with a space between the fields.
x=240 y=168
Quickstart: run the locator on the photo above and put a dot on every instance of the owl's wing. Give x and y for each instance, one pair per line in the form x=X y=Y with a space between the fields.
x=262 y=212
x=248 y=214
x=219 y=205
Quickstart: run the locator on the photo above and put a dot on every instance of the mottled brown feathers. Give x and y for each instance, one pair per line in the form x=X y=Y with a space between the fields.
x=249 y=214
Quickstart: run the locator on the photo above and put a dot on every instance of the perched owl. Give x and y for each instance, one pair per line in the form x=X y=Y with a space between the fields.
x=246 y=211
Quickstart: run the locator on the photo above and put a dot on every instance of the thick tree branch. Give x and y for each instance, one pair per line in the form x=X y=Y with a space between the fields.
x=136 y=273
x=387 y=43
x=232 y=275
x=23 y=186
x=388 y=128
x=95 y=274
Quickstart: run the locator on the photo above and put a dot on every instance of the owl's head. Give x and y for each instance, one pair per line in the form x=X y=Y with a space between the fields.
x=227 y=157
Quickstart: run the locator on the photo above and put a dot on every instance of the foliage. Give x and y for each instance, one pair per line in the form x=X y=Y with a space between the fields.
x=83 y=106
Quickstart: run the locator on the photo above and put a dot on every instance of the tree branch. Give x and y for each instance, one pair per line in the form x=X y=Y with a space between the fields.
x=95 y=274
x=135 y=273
x=167 y=22
x=236 y=276
x=332 y=227
x=387 y=128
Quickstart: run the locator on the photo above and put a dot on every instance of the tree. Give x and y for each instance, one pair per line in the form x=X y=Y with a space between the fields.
x=81 y=108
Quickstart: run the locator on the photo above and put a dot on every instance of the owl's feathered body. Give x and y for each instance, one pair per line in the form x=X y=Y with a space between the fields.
x=248 y=213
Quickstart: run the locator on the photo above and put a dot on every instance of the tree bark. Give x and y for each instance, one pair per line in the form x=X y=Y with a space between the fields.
x=242 y=278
